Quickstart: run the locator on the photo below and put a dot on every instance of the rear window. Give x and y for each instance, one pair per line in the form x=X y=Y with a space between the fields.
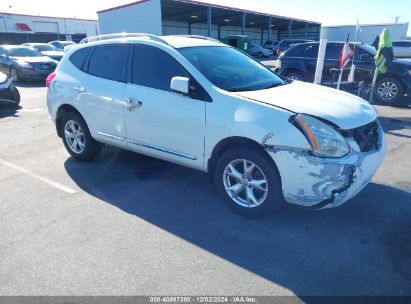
x=109 y=62
x=79 y=57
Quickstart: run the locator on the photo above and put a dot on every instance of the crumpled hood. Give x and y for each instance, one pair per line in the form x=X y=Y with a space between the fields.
x=53 y=53
x=43 y=59
x=343 y=109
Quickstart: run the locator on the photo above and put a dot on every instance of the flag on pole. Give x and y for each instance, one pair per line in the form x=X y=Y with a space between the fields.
x=385 y=55
x=346 y=55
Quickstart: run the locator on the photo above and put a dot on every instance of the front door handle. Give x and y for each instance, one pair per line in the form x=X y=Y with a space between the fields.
x=132 y=104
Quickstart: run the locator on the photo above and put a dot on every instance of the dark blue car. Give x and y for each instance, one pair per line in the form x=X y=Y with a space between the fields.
x=299 y=63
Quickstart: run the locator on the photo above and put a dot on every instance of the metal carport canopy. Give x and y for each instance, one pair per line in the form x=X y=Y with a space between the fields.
x=197 y=12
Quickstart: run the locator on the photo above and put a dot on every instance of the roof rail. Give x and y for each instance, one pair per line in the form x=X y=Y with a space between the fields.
x=198 y=37
x=122 y=35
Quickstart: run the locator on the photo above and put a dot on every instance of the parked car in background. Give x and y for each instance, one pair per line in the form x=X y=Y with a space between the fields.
x=271 y=45
x=9 y=94
x=25 y=63
x=47 y=50
x=208 y=106
x=402 y=49
x=287 y=43
x=258 y=51
x=300 y=61
x=60 y=44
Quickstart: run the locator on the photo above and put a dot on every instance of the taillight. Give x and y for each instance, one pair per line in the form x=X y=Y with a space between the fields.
x=279 y=51
x=50 y=79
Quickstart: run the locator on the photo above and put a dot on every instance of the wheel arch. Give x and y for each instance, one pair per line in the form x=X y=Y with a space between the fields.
x=394 y=76
x=63 y=109
x=228 y=143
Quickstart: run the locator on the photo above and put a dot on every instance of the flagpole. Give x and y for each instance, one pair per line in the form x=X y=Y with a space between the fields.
x=374 y=80
x=341 y=69
x=352 y=70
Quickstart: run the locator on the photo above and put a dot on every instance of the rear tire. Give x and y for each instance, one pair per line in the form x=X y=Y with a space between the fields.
x=388 y=91
x=294 y=75
x=252 y=190
x=77 y=139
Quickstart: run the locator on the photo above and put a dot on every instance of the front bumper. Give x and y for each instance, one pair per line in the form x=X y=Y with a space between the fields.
x=320 y=183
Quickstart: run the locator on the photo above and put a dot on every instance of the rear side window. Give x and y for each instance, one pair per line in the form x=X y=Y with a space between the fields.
x=297 y=51
x=311 y=51
x=285 y=43
x=154 y=68
x=79 y=57
x=109 y=62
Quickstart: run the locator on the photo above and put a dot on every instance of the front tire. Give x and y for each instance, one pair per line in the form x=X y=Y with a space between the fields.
x=15 y=75
x=249 y=182
x=77 y=139
x=388 y=91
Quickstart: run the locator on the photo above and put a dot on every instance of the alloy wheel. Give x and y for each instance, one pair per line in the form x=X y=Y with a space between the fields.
x=387 y=91
x=74 y=136
x=245 y=183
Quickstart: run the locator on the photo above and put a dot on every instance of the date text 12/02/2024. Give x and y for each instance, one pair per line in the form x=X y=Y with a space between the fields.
x=203 y=299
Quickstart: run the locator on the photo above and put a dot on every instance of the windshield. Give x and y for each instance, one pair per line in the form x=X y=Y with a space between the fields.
x=369 y=49
x=231 y=70
x=23 y=52
x=45 y=47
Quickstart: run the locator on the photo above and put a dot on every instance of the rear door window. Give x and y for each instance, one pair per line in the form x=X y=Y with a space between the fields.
x=109 y=62
x=333 y=51
x=311 y=51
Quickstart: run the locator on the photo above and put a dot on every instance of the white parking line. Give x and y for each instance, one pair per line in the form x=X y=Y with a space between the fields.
x=40 y=178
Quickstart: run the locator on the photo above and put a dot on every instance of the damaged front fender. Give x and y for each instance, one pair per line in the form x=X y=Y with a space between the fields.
x=316 y=182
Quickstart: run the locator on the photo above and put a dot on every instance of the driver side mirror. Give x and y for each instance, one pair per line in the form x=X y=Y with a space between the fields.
x=180 y=85
x=366 y=57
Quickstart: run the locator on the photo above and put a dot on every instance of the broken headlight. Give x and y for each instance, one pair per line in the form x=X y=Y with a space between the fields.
x=325 y=140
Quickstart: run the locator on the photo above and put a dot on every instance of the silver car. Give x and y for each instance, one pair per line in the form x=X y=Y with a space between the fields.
x=258 y=51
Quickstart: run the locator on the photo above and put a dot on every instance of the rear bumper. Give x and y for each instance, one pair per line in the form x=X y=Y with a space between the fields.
x=320 y=183
x=34 y=74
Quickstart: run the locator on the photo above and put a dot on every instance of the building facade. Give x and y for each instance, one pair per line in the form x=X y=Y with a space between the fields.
x=366 y=33
x=18 y=28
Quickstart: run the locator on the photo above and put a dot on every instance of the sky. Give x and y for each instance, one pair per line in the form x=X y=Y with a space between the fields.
x=327 y=12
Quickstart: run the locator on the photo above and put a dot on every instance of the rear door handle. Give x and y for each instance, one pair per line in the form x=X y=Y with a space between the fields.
x=132 y=104
x=79 y=89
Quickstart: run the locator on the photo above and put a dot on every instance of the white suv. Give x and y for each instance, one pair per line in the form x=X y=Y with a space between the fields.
x=196 y=102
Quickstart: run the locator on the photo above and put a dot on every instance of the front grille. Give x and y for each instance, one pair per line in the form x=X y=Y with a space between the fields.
x=367 y=136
